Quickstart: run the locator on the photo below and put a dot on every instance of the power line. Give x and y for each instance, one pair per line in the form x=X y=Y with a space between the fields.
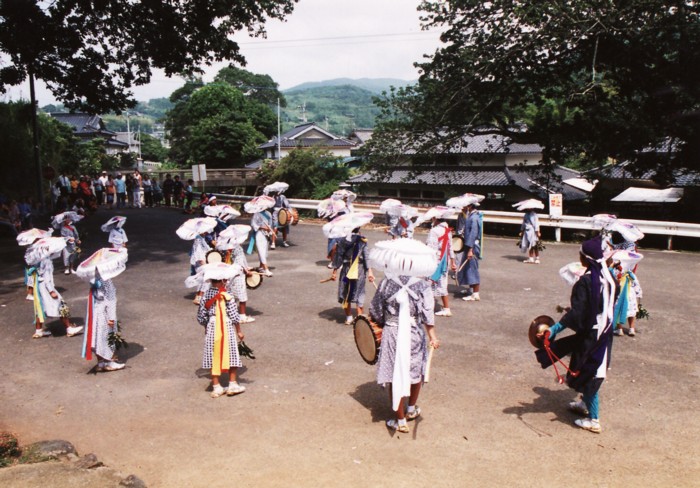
x=424 y=34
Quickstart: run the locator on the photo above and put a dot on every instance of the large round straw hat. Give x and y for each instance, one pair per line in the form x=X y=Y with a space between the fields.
x=406 y=257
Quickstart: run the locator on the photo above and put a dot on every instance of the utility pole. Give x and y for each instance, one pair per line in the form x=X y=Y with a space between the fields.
x=302 y=107
x=279 y=143
x=35 y=142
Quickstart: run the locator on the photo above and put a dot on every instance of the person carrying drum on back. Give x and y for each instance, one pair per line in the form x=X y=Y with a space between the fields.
x=404 y=304
x=280 y=203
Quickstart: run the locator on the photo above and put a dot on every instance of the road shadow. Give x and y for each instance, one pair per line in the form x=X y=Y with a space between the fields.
x=334 y=314
x=323 y=263
x=375 y=399
x=132 y=351
x=520 y=257
x=547 y=401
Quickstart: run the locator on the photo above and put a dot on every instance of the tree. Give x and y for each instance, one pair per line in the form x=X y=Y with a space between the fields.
x=258 y=87
x=152 y=149
x=588 y=80
x=91 y=53
x=219 y=126
x=311 y=173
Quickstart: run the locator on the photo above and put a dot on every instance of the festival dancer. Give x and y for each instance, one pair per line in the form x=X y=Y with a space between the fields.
x=627 y=304
x=48 y=302
x=196 y=230
x=530 y=233
x=352 y=258
x=280 y=203
x=101 y=320
x=26 y=238
x=217 y=312
x=230 y=242
x=591 y=318
x=468 y=273
x=117 y=236
x=404 y=304
x=440 y=240
x=65 y=221
x=261 y=223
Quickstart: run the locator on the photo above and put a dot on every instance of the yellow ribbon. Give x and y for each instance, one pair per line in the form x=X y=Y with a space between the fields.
x=221 y=353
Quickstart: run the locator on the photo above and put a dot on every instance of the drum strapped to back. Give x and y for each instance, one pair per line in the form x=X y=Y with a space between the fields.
x=214 y=256
x=253 y=281
x=457 y=243
x=368 y=338
x=287 y=216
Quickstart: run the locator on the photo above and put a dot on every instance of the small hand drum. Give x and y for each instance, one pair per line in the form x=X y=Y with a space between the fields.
x=214 y=257
x=253 y=281
x=368 y=338
x=457 y=244
x=538 y=325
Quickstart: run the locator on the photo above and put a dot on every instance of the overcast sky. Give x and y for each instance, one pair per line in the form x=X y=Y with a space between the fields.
x=321 y=40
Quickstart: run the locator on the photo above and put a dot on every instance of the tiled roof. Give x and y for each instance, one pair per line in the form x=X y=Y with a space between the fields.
x=621 y=171
x=488 y=176
x=83 y=124
x=486 y=144
x=439 y=176
x=310 y=142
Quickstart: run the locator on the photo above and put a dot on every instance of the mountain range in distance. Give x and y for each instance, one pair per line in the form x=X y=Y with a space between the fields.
x=374 y=85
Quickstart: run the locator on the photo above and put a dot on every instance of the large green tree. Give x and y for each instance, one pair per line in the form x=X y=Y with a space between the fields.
x=257 y=87
x=311 y=172
x=91 y=53
x=218 y=125
x=591 y=80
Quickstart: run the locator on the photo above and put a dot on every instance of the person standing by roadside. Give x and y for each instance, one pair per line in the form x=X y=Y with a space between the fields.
x=168 y=187
x=178 y=192
x=99 y=188
x=110 y=191
x=103 y=181
x=120 y=187
x=137 y=182
x=147 y=184
x=64 y=181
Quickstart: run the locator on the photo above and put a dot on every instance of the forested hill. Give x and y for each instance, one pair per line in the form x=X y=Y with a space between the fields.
x=338 y=109
x=375 y=85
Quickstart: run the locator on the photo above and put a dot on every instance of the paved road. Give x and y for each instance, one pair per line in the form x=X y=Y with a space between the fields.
x=313 y=416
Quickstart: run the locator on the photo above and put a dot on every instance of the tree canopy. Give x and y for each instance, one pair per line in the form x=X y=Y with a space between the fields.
x=311 y=172
x=218 y=125
x=258 y=87
x=589 y=80
x=91 y=53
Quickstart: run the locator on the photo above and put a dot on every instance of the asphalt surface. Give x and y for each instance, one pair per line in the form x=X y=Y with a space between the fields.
x=313 y=414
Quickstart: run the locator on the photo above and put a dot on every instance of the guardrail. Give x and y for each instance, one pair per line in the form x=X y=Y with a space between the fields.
x=652 y=227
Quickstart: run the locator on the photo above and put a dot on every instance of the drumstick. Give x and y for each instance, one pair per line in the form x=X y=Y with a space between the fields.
x=375 y=285
x=327 y=280
x=426 y=376
x=463 y=264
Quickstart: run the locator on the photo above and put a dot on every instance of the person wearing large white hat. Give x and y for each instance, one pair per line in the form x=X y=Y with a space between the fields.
x=101 y=322
x=530 y=229
x=229 y=242
x=47 y=301
x=117 y=236
x=218 y=313
x=261 y=222
x=468 y=271
x=440 y=240
x=404 y=304
x=65 y=222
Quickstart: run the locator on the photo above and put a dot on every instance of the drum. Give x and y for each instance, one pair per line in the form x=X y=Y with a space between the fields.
x=287 y=216
x=253 y=281
x=295 y=215
x=214 y=256
x=538 y=325
x=284 y=217
x=457 y=243
x=368 y=338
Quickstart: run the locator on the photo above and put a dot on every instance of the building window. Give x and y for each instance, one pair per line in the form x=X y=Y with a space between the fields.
x=387 y=192
x=437 y=195
x=407 y=193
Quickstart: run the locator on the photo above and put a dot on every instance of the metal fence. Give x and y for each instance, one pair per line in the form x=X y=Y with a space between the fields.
x=651 y=227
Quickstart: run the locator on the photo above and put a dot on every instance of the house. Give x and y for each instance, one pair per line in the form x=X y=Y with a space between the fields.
x=87 y=127
x=488 y=164
x=307 y=135
x=131 y=140
x=629 y=193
